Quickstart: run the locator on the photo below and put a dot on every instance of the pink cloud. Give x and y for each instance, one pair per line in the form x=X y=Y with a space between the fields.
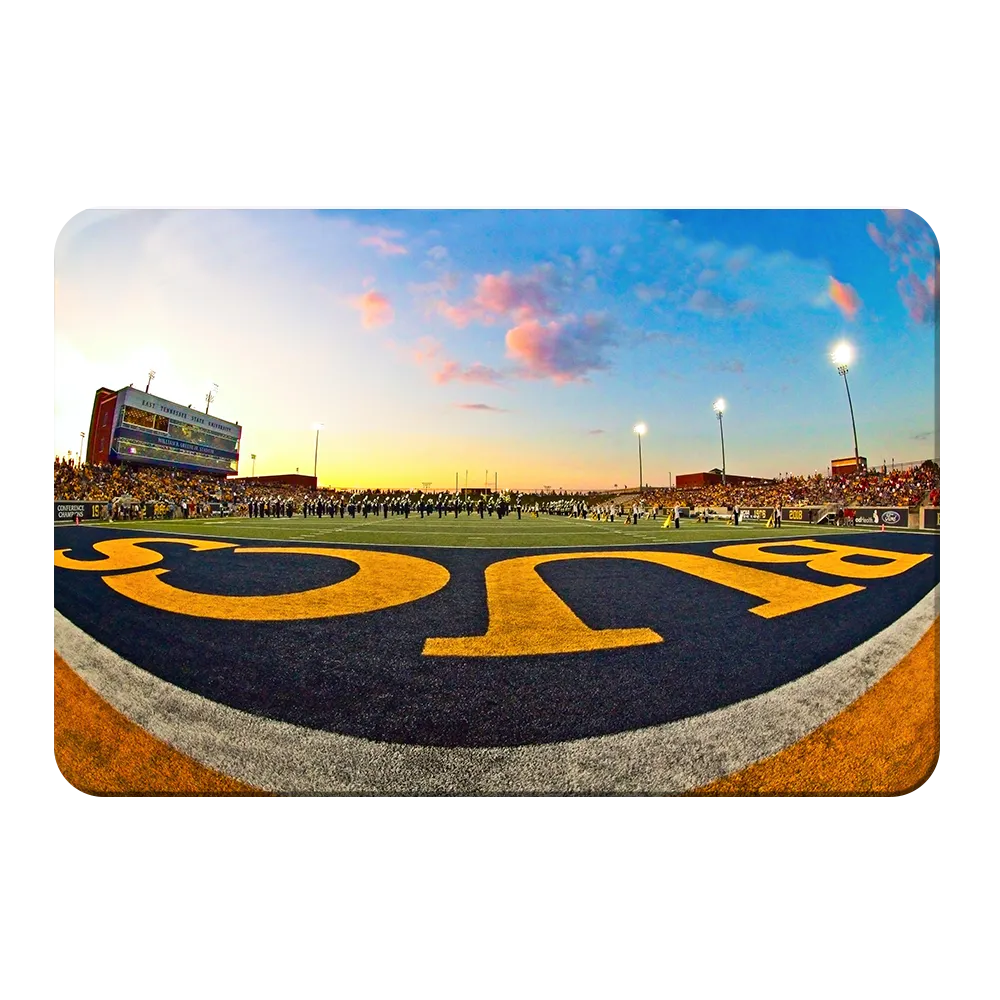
x=376 y=310
x=877 y=238
x=481 y=407
x=910 y=245
x=503 y=296
x=844 y=297
x=427 y=350
x=919 y=297
x=461 y=315
x=452 y=371
x=448 y=371
x=563 y=349
x=383 y=242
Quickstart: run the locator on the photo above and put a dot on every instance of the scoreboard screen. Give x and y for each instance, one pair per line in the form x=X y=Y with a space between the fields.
x=155 y=431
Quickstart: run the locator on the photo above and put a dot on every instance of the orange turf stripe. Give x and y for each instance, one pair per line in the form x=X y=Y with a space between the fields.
x=885 y=743
x=101 y=752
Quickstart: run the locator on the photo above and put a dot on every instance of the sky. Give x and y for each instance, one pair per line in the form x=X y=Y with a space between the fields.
x=516 y=347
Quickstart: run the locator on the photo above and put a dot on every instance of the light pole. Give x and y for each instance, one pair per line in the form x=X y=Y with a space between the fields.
x=210 y=395
x=640 y=429
x=719 y=406
x=316 y=453
x=79 y=457
x=253 y=466
x=152 y=375
x=842 y=355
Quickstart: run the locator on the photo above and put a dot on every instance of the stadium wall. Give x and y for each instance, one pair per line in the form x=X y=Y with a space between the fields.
x=102 y=426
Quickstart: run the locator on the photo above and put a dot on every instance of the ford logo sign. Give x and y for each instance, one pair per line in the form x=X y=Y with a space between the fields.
x=890 y=517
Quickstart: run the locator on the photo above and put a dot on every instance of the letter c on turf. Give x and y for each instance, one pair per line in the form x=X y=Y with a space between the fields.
x=385 y=580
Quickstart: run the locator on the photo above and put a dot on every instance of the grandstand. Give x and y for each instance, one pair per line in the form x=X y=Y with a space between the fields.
x=170 y=460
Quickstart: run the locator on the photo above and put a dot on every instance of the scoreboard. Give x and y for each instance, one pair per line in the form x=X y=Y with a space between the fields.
x=154 y=431
x=847 y=466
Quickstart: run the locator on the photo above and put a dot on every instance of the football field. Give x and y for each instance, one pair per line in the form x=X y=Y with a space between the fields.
x=467 y=531
x=476 y=656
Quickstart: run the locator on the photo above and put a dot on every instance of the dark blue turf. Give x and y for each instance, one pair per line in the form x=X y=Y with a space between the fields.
x=364 y=674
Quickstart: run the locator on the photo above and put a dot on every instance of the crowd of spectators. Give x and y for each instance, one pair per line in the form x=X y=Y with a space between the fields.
x=910 y=487
x=201 y=493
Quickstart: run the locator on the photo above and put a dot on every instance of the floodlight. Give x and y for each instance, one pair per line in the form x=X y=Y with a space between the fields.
x=640 y=429
x=843 y=353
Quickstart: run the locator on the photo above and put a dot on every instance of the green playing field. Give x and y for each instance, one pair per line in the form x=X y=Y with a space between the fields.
x=464 y=531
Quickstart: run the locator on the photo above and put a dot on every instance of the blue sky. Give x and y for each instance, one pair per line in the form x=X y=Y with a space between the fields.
x=526 y=343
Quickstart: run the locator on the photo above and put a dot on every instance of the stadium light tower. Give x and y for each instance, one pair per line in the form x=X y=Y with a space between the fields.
x=152 y=375
x=253 y=466
x=640 y=429
x=720 y=407
x=318 y=428
x=210 y=395
x=842 y=355
x=79 y=458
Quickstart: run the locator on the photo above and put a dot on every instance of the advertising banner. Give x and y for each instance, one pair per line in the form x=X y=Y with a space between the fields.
x=196 y=443
x=930 y=517
x=890 y=517
x=86 y=510
x=800 y=515
x=756 y=513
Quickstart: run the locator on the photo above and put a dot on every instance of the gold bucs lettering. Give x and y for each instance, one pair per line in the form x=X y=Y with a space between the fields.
x=526 y=616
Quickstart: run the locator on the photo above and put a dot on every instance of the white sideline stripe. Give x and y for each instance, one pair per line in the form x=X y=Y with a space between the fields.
x=666 y=759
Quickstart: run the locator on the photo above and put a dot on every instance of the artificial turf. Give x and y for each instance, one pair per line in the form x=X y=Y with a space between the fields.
x=369 y=675
x=545 y=531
